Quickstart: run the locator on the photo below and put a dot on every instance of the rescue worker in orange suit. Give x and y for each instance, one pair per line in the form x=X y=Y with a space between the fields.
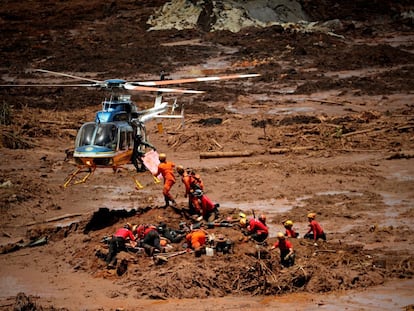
x=287 y=255
x=209 y=210
x=256 y=229
x=117 y=243
x=166 y=169
x=196 y=240
x=315 y=231
x=149 y=239
x=290 y=232
x=193 y=203
x=192 y=182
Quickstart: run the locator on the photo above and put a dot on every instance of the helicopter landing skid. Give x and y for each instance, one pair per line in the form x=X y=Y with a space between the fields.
x=89 y=170
x=138 y=185
x=70 y=179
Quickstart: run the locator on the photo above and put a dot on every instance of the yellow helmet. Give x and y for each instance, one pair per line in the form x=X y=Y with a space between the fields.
x=312 y=215
x=242 y=215
x=243 y=221
x=288 y=223
x=280 y=235
x=162 y=157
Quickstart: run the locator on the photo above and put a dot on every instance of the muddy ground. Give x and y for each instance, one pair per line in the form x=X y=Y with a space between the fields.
x=327 y=127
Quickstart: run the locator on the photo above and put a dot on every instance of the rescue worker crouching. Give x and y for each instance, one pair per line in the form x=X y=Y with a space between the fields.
x=208 y=210
x=254 y=229
x=117 y=243
x=173 y=236
x=290 y=232
x=287 y=254
x=196 y=240
x=149 y=239
x=315 y=231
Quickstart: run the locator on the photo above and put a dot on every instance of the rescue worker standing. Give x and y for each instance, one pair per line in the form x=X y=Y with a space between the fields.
x=315 y=231
x=193 y=203
x=166 y=169
x=287 y=255
x=117 y=243
x=192 y=182
x=256 y=229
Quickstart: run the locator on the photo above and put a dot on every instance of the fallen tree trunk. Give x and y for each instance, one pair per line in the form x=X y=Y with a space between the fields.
x=225 y=154
x=55 y=219
x=293 y=149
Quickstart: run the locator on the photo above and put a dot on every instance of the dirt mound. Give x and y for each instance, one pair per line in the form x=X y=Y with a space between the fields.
x=248 y=269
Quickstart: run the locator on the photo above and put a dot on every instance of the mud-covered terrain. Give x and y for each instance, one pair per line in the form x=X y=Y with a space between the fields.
x=327 y=128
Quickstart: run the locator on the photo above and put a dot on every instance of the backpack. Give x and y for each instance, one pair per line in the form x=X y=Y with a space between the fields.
x=195 y=181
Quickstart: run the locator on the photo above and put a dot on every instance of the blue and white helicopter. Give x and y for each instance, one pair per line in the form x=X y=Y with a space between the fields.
x=117 y=136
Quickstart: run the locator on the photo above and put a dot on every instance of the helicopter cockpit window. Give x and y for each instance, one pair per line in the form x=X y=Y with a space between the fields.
x=86 y=134
x=106 y=136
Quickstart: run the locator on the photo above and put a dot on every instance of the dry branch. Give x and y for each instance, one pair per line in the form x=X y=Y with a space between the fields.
x=216 y=143
x=361 y=132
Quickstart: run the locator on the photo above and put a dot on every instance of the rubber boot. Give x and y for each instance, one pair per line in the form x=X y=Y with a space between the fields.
x=167 y=202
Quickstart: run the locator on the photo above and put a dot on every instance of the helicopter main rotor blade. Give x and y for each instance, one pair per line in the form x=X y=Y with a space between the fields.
x=68 y=75
x=47 y=85
x=201 y=79
x=131 y=87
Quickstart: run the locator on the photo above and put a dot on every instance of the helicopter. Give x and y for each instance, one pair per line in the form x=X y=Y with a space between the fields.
x=117 y=136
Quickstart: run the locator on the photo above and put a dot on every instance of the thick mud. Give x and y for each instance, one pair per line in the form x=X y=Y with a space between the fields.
x=327 y=128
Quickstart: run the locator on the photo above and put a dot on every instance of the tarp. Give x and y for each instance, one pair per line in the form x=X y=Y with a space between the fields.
x=151 y=162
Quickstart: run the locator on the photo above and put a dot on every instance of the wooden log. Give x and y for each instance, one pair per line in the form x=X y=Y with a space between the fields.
x=321 y=101
x=225 y=154
x=293 y=149
x=55 y=219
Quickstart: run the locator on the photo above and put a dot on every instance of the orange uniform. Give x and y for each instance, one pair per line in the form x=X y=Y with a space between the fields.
x=196 y=239
x=192 y=182
x=166 y=169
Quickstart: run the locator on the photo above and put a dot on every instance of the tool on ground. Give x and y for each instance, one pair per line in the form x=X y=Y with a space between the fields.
x=160 y=258
x=224 y=224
